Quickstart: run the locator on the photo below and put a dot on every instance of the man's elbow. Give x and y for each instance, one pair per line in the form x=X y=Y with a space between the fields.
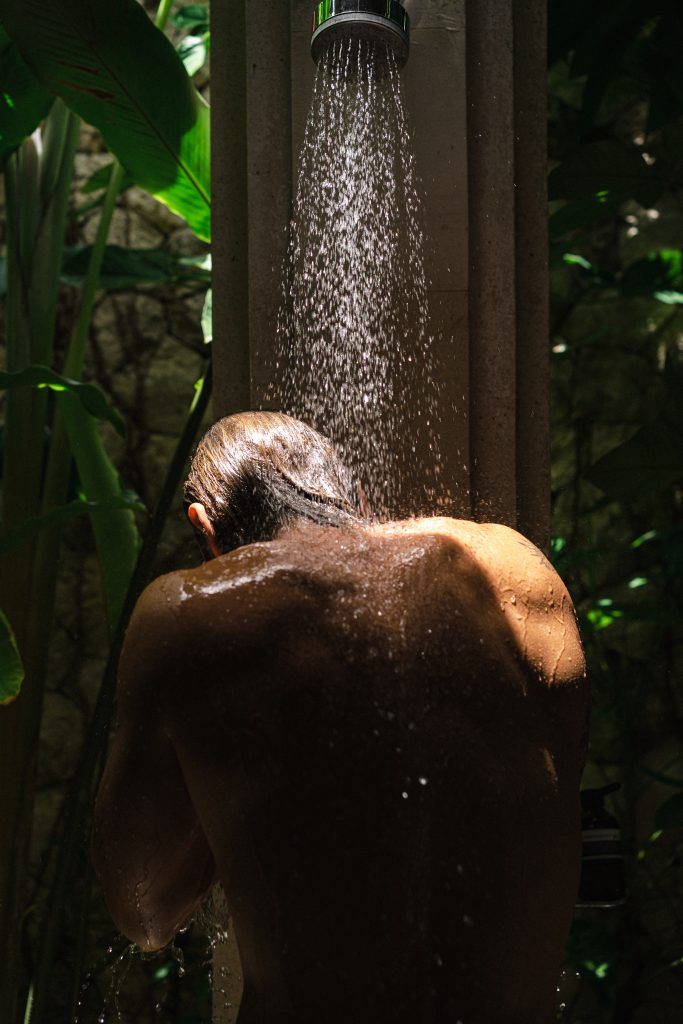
x=143 y=925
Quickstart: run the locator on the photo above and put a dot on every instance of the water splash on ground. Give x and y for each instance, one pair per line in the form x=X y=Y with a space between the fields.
x=354 y=354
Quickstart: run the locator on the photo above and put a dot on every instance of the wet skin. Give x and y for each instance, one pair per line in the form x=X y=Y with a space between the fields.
x=373 y=737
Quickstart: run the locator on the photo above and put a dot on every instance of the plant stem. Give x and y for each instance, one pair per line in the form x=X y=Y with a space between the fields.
x=37 y=179
x=73 y=366
x=163 y=12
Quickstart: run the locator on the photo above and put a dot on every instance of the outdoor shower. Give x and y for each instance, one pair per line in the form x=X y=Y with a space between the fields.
x=381 y=21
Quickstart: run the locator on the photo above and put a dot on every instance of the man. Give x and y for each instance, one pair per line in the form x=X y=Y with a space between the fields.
x=372 y=734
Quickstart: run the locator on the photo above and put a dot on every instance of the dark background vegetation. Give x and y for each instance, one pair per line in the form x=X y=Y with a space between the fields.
x=616 y=336
x=616 y=239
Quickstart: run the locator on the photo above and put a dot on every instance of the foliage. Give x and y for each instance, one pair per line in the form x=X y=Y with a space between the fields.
x=110 y=64
x=616 y=185
x=11 y=668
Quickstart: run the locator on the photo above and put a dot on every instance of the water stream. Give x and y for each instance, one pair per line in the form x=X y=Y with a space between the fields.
x=354 y=355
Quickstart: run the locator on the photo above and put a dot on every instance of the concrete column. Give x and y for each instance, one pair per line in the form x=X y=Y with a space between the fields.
x=269 y=117
x=508 y=292
x=229 y=208
x=531 y=273
x=491 y=218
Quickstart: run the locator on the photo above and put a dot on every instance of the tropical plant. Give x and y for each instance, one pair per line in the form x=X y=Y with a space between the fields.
x=616 y=145
x=110 y=65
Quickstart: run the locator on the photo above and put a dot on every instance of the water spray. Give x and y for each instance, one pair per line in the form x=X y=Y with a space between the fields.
x=381 y=21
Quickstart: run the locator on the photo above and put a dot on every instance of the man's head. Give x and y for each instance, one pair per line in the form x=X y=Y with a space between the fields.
x=255 y=472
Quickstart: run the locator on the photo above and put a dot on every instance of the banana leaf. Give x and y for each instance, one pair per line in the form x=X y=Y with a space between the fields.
x=114 y=68
x=90 y=396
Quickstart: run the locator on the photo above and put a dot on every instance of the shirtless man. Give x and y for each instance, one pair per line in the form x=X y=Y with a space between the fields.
x=372 y=734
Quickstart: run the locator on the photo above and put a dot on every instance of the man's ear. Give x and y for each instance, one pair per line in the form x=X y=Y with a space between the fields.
x=196 y=513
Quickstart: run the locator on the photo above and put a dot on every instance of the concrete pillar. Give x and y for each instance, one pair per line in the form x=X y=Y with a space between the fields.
x=508 y=291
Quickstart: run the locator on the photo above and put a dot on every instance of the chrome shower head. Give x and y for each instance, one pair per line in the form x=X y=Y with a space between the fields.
x=384 y=21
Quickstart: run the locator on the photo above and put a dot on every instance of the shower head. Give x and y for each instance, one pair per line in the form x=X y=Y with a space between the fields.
x=384 y=21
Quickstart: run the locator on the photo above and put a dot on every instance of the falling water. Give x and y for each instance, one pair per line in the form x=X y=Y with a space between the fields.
x=354 y=354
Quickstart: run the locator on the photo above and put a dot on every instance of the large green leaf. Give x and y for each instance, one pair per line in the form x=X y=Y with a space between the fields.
x=91 y=398
x=24 y=101
x=112 y=66
x=11 y=668
x=126 y=268
x=116 y=535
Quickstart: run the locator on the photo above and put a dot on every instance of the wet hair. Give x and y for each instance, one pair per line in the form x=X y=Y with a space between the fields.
x=255 y=472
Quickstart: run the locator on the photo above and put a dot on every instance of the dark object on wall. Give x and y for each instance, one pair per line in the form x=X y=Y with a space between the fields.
x=602 y=864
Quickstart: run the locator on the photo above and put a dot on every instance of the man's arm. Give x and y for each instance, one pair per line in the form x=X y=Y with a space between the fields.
x=149 y=848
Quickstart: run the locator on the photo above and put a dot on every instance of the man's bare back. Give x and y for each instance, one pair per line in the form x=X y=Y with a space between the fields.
x=373 y=737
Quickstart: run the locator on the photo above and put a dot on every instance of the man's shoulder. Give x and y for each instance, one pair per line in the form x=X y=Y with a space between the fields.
x=492 y=545
x=238 y=591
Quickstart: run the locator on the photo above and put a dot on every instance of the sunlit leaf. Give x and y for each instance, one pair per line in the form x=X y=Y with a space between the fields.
x=599 y=970
x=192 y=51
x=637 y=582
x=90 y=396
x=644 y=538
x=11 y=667
x=603 y=617
x=580 y=261
x=669 y=298
x=112 y=66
